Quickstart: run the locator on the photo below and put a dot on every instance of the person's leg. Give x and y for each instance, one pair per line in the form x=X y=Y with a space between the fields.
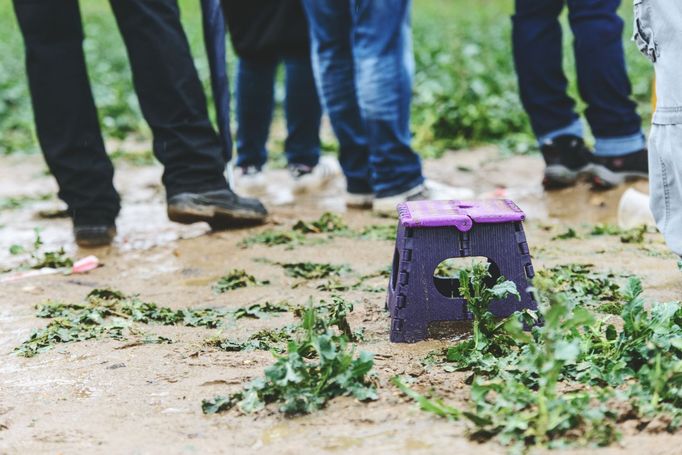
x=255 y=99
x=665 y=182
x=537 y=44
x=382 y=51
x=657 y=36
x=303 y=112
x=602 y=77
x=174 y=105
x=171 y=95
x=64 y=109
x=332 y=59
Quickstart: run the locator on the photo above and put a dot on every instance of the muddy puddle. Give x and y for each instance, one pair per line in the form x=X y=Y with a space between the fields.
x=107 y=396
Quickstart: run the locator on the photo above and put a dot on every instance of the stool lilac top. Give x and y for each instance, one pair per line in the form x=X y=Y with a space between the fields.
x=460 y=214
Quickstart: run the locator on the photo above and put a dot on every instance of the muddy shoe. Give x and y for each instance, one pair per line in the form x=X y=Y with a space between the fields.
x=611 y=171
x=567 y=159
x=221 y=209
x=94 y=235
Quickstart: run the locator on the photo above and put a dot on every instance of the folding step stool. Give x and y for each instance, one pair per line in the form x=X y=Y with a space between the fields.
x=430 y=232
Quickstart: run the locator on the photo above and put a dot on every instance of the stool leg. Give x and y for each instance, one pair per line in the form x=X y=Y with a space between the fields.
x=406 y=331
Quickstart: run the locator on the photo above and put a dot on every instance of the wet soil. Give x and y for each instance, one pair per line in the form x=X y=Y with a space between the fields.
x=105 y=396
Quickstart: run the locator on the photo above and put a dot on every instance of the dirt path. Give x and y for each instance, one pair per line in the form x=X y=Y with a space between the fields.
x=107 y=396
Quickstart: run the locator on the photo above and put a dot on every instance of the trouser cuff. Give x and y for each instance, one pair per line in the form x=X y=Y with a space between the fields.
x=575 y=128
x=619 y=146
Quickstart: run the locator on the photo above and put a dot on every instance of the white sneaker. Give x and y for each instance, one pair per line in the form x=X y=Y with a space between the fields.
x=251 y=181
x=359 y=200
x=311 y=180
x=386 y=206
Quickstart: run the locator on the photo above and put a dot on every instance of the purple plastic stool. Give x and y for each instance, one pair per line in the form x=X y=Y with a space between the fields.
x=430 y=232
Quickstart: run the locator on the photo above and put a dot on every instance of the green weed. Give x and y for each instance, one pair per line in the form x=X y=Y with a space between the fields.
x=635 y=235
x=17 y=202
x=107 y=313
x=327 y=223
x=556 y=385
x=313 y=270
x=318 y=365
x=236 y=279
x=585 y=287
x=385 y=232
x=274 y=238
x=260 y=310
x=38 y=258
x=263 y=340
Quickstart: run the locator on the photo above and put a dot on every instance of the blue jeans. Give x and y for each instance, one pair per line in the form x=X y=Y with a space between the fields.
x=602 y=76
x=363 y=64
x=255 y=102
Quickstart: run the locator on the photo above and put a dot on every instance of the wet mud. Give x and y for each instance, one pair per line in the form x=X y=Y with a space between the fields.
x=105 y=396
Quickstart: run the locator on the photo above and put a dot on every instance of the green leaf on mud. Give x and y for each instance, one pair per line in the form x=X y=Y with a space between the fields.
x=236 y=279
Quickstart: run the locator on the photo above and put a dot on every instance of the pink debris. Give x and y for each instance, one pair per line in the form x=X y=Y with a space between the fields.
x=27 y=274
x=86 y=264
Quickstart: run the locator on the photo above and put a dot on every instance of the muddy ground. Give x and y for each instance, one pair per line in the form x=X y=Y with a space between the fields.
x=107 y=396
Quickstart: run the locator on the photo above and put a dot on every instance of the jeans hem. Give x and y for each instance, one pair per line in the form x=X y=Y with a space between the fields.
x=575 y=128
x=358 y=187
x=217 y=185
x=619 y=146
x=402 y=188
x=85 y=217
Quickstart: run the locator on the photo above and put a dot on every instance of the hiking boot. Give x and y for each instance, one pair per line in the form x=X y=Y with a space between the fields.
x=251 y=181
x=309 y=179
x=94 y=235
x=566 y=160
x=221 y=209
x=386 y=206
x=611 y=171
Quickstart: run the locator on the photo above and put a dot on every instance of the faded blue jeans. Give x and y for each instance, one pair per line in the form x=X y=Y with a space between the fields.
x=363 y=64
x=657 y=34
x=600 y=63
x=255 y=102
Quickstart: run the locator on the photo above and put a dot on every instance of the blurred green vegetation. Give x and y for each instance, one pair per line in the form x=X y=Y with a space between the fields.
x=465 y=87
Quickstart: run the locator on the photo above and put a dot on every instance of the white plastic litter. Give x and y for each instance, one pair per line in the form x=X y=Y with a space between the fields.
x=634 y=211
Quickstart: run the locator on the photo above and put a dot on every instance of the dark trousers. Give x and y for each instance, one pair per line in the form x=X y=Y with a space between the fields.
x=600 y=63
x=255 y=102
x=165 y=79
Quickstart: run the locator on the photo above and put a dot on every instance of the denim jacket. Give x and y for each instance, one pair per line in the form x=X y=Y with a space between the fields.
x=658 y=34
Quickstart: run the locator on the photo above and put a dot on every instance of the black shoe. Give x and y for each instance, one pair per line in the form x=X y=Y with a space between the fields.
x=611 y=171
x=94 y=235
x=567 y=159
x=221 y=209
